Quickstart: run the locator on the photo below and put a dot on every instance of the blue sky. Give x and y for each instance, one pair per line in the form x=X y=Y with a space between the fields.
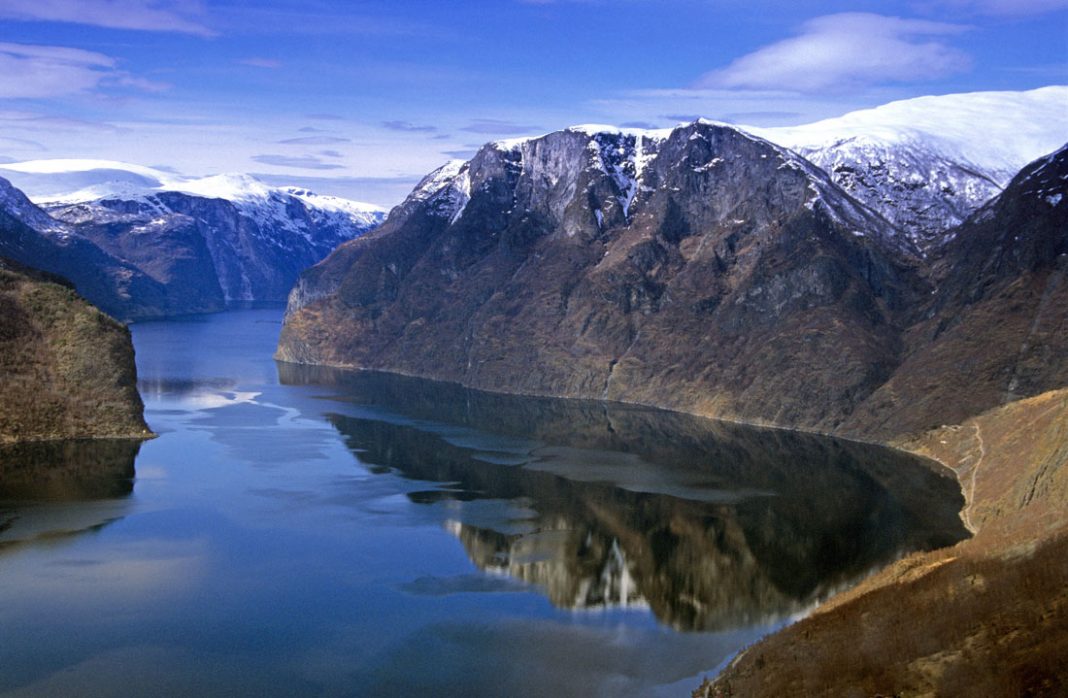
x=362 y=98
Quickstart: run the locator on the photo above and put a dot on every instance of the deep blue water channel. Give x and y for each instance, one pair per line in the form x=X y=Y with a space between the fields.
x=304 y=531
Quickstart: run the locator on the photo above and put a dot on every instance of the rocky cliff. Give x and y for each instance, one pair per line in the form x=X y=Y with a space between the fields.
x=996 y=328
x=701 y=269
x=66 y=369
x=928 y=163
x=31 y=237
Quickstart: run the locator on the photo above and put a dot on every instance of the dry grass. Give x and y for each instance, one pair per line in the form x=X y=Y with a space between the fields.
x=988 y=617
x=66 y=369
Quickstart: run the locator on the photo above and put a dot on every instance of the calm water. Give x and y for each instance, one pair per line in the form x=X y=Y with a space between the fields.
x=301 y=531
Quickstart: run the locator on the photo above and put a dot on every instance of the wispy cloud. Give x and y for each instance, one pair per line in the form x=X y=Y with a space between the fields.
x=23 y=143
x=499 y=127
x=315 y=140
x=408 y=126
x=385 y=191
x=1004 y=8
x=33 y=71
x=465 y=154
x=305 y=162
x=639 y=124
x=682 y=118
x=144 y=15
x=255 y=62
x=37 y=122
x=845 y=51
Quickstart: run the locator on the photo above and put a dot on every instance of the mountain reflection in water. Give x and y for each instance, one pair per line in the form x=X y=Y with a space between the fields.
x=711 y=525
x=55 y=489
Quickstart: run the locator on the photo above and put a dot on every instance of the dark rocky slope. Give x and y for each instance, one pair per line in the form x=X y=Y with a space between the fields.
x=66 y=369
x=735 y=296
x=996 y=330
x=709 y=271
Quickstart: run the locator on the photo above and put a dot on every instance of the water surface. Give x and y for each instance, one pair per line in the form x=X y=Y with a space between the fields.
x=299 y=530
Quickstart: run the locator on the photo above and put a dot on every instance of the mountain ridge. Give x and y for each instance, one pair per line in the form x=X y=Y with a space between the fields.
x=557 y=264
x=624 y=227
x=146 y=249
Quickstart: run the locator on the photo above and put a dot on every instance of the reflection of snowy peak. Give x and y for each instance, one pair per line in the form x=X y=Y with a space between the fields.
x=927 y=163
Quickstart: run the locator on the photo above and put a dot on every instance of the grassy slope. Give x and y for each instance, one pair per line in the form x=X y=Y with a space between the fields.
x=987 y=617
x=66 y=369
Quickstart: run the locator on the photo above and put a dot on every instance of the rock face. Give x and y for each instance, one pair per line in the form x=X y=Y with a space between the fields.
x=148 y=253
x=996 y=330
x=701 y=269
x=66 y=369
x=920 y=190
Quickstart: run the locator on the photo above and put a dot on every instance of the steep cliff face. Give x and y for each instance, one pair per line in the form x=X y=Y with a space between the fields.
x=996 y=330
x=66 y=369
x=699 y=268
x=917 y=188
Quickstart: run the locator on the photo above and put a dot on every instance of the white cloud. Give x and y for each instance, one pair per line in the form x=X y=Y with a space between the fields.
x=30 y=71
x=145 y=15
x=846 y=51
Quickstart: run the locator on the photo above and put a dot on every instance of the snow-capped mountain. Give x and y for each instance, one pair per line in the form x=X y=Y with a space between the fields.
x=32 y=238
x=56 y=183
x=924 y=164
x=617 y=160
x=614 y=264
x=927 y=163
x=208 y=241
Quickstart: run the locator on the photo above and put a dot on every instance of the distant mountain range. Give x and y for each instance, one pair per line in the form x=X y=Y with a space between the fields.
x=144 y=242
x=141 y=243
